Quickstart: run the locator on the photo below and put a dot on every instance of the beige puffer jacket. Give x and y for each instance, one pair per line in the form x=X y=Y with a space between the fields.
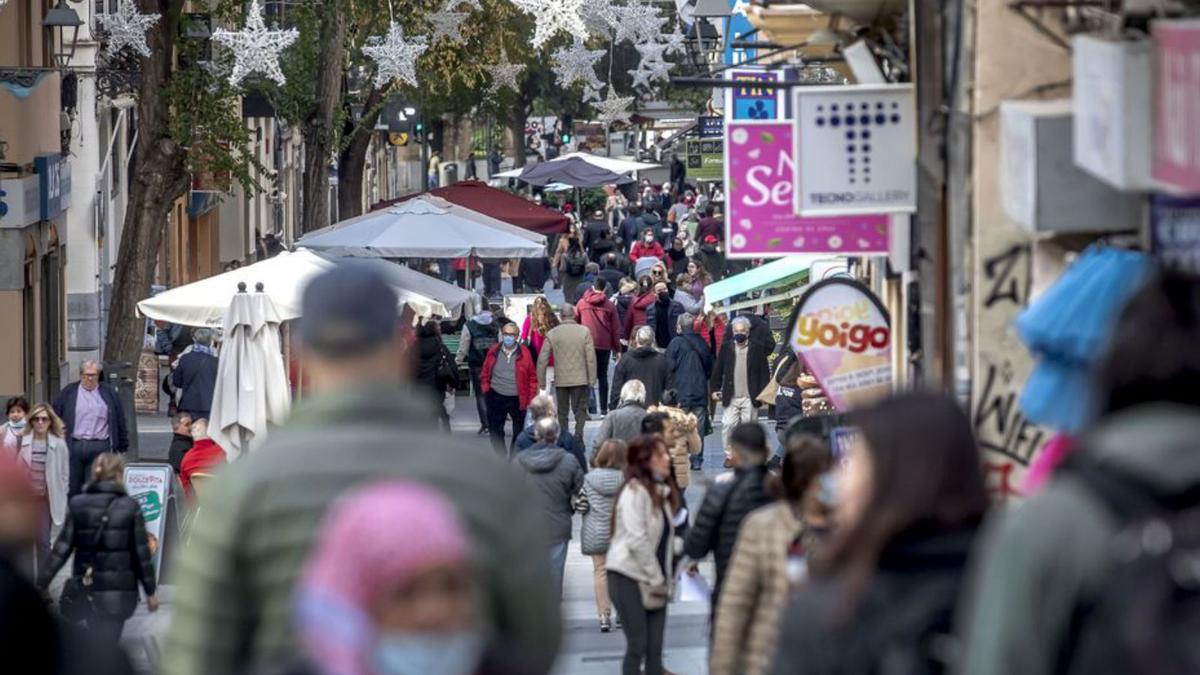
x=683 y=439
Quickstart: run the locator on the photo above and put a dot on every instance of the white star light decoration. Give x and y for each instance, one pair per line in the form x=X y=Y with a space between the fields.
x=255 y=48
x=576 y=63
x=674 y=42
x=613 y=109
x=455 y=4
x=395 y=56
x=504 y=74
x=125 y=28
x=636 y=22
x=553 y=16
x=446 y=23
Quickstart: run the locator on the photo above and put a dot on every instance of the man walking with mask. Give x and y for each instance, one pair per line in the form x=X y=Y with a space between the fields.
x=740 y=375
x=509 y=381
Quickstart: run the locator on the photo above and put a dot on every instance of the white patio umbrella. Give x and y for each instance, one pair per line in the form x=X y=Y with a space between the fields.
x=425 y=227
x=204 y=302
x=252 y=392
x=614 y=164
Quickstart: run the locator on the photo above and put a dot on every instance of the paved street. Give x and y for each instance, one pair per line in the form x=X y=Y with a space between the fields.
x=586 y=651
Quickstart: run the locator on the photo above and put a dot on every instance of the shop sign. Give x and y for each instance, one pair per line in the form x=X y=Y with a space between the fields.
x=760 y=218
x=856 y=150
x=54 y=190
x=750 y=97
x=19 y=202
x=1175 y=231
x=150 y=486
x=705 y=159
x=708 y=126
x=843 y=333
x=1112 y=100
x=1177 y=133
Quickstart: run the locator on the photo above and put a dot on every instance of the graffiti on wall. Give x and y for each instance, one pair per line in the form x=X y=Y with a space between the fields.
x=1008 y=439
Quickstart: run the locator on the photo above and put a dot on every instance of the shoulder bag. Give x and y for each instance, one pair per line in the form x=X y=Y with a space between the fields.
x=75 y=603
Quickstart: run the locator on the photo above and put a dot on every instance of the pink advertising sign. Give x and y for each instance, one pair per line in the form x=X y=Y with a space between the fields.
x=760 y=218
x=1177 y=132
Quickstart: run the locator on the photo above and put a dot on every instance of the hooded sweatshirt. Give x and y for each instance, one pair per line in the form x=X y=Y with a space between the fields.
x=558 y=478
x=600 y=317
x=636 y=315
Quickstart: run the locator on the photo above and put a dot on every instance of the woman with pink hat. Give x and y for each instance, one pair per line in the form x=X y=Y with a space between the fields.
x=391 y=590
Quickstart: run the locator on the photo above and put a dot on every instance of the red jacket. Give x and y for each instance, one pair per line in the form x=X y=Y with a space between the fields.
x=599 y=315
x=525 y=371
x=701 y=329
x=642 y=250
x=204 y=456
x=636 y=314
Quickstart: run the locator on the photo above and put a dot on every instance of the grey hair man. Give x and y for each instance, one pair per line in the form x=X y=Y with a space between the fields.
x=357 y=352
x=642 y=362
x=195 y=375
x=542 y=407
x=739 y=376
x=94 y=420
x=556 y=477
x=625 y=421
x=574 y=352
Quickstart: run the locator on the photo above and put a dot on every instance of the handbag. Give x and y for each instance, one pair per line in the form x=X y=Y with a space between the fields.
x=654 y=597
x=447 y=371
x=581 y=504
x=75 y=603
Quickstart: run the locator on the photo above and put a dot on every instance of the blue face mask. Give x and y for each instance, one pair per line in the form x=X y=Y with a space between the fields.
x=428 y=654
x=828 y=493
x=509 y=341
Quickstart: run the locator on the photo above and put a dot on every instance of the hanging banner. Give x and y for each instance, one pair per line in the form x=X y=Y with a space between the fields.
x=843 y=333
x=1177 y=133
x=751 y=99
x=150 y=486
x=856 y=150
x=760 y=220
x=1175 y=231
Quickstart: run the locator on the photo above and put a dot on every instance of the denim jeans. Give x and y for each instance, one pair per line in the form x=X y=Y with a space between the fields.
x=558 y=563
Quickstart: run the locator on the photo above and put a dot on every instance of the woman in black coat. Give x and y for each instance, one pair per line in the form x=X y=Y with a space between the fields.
x=106 y=532
x=884 y=588
x=431 y=352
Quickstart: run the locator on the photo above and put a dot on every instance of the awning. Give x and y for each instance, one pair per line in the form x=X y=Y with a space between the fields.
x=575 y=171
x=776 y=273
x=499 y=204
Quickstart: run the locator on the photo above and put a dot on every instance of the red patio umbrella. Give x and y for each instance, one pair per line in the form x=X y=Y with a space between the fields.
x=496 y=203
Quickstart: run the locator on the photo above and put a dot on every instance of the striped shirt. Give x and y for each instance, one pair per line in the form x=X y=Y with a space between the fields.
x=37 y=465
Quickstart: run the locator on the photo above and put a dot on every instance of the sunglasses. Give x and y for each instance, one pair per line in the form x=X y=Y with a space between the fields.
x=41 y=418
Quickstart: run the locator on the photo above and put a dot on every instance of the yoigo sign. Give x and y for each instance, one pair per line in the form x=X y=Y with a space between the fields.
x=856 y=150
x=841 y=331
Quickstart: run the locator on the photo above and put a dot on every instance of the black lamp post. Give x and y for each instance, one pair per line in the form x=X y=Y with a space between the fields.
x=64 y=23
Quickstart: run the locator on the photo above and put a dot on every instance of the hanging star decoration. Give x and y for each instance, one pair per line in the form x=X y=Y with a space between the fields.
x=590 y=93
x=651 y=68
x=613 y=109
x=598 y=17
x=125 y=28
x=504 y=74
x=674 y=42
x=636 y=22
x=446 y=23
x=455 y=4
x=395 y=56
x=255 y=48
x=552 y=17
x=576 y=63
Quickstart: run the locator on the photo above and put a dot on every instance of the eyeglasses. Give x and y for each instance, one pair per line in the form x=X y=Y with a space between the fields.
x=90 y=376
x=41 y=418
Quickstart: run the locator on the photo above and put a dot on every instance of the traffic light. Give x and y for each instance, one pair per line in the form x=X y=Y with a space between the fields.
x=568 y=129
x=419 y=132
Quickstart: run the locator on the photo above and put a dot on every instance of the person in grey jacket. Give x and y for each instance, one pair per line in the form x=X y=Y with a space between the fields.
x=1046 y=562
x=600 y=488
x=558 y=478
x=625 y=422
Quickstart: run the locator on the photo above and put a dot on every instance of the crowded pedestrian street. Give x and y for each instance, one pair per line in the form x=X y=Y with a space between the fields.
x=604 y=337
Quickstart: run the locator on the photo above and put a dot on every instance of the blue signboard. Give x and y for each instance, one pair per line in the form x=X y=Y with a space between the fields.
x=737 y=25
x=750 y=97
x=710 y=127
x=54 y=185
x=1175 y=231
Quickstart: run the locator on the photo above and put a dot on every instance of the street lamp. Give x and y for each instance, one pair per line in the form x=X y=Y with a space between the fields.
x=58 y=20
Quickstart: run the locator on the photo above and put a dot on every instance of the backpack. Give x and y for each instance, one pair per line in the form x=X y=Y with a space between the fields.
x=1147 y=616
x=482 y=339
x=575 y=262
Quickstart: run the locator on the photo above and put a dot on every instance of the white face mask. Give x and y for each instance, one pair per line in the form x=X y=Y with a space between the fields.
x=428 y=654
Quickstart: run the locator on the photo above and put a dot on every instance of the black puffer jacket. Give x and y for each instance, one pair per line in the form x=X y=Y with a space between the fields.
x=646 y=364
x=725 y=507
x=903 y=623
x=120 y=559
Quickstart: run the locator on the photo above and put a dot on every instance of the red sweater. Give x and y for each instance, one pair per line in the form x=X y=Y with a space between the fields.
x=642 y=250
x=204 y=456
